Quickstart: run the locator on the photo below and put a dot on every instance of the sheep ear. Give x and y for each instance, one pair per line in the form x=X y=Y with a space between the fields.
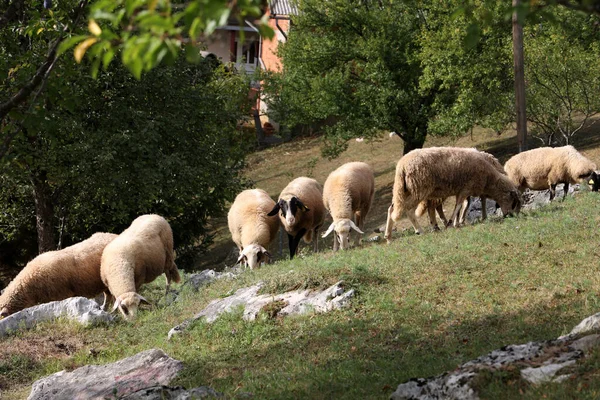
x=268 y=256
x=353 y=226
x=329 y=230
x=302 y=206
x=142 y=299
x=240 y=258
x=116 y=305
x=274 y=211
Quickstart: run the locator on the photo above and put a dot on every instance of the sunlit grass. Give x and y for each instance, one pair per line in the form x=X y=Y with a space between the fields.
x=423 y=305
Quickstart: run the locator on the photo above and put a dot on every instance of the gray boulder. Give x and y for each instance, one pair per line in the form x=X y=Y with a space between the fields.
x=538 y=362
x=147 y=369
x=294 y=302
x=80 y=309
x=174 y=393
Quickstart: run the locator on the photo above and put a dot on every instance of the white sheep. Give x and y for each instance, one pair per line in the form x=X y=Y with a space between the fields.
x=58 y=275
x=252 y=230
x=347 y=195
x=433 y=205
x=440 y=172
x=546 y=167
x=302 y=211
x=138 y=255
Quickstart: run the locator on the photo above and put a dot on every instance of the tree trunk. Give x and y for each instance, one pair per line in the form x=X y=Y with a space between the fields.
x=260 y=134
x=413 y=141
x=519 y=64
x=44 y=212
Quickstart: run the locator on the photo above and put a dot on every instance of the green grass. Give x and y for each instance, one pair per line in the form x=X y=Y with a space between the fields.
x=424 y=305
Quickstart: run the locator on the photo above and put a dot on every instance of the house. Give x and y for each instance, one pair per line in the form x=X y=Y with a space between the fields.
x=254 y=52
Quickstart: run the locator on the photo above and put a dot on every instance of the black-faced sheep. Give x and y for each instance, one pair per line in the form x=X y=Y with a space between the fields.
x=138 y=255
x=441 y=172
x=546 y=167
x=251 y=228
x=302 y=211
x=58 y=275
x=347 y=195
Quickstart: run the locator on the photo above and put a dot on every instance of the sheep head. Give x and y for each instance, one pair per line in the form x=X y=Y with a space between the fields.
x=342 y=229
x=128 y=304
x=254 y=255
x=594 y=181
x=510 y=202
x=288 y=209
x=4 y=313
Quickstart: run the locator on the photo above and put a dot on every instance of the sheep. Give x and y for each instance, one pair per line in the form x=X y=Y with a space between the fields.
x=440 y=172
x=546 y=167
x=432 y=205
x=347 y=195
x=58 y=275
x=302 y=211
x=138 y=255
x=251 y=229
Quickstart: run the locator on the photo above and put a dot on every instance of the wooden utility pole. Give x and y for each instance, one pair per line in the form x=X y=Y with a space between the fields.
x=517 y=31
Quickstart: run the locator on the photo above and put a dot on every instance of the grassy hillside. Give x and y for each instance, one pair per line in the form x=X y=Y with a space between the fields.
x=423 y=304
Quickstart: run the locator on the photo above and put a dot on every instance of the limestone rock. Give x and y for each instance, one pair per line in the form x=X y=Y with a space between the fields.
x=294 y=302
x=589 y=324
x=174 y=393
x=146 y=369
x=81 y=309
x=207 y=276
x=538 y=362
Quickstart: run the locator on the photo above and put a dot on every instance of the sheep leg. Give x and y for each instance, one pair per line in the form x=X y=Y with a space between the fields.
x=293 y=242
x=459 y=202
x=483 y=207
x=566 y=188
x=440 y=211
x=358 y=220
x=464 y=209
x=103 y=306
x=316 y=242
x=552 y=191
x=389 y=224
x=432 y=219
x=410 y=213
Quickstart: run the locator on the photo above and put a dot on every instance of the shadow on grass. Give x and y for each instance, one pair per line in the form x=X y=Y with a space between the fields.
x=360 y=357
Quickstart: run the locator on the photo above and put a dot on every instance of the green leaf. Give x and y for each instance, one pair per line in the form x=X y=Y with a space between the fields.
x=69 y=43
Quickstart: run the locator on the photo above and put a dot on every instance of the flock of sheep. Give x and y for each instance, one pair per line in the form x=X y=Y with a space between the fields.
x=117 y=265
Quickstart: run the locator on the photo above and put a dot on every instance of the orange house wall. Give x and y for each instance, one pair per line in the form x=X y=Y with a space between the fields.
x=269 y=50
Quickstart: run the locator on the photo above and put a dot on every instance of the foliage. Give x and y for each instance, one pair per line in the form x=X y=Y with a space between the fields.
x=103 y=151
x=475 y=81
x=353 y=68
x=148 y=32
x=563 y=76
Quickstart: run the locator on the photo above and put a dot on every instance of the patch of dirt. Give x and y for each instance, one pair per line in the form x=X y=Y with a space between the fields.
x=42 y=347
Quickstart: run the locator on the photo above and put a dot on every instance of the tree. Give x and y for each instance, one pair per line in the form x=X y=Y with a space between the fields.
x=354 y=67
x=563 y=76
x=95 y=153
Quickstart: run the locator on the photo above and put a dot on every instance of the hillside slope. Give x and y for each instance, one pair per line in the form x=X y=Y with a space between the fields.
x=423 y=305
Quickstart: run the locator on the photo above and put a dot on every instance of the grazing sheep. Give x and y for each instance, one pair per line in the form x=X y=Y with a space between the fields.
x=432 y=205
x=546 y=167
x=58 y=275
x=251 y=228
x=441 y=172
x=140 y=254
x=302 y=211
x=347 y=195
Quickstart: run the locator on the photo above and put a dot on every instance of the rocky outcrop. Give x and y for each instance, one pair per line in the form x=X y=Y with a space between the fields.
x=294 y=302
x=123 y=378
x=538 y=362
x=80 y=309
x=174 y=393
